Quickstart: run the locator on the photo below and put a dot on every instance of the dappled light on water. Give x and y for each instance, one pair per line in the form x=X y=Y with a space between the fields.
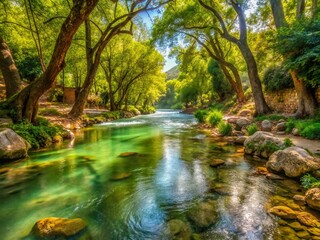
x=128 y=178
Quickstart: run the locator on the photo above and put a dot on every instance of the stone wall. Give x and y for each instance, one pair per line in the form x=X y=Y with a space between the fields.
x=285 y=100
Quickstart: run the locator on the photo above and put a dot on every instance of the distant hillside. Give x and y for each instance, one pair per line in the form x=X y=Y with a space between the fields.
x=173 y=73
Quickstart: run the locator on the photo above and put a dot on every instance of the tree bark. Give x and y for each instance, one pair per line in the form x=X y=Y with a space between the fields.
x=26 y=102
x=306 y=99
x=9 y=70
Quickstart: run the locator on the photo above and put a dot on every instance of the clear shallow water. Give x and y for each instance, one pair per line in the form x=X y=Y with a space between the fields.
x=169 y=176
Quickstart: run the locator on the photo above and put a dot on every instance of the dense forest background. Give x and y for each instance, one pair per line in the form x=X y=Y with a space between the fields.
x=227 y=51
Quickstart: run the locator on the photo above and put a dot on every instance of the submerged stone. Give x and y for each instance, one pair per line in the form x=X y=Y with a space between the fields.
x=58 y=228
x=176 y=229
x=120 y=176
x=203 y=215
x=283 y=212
x=216 y=162
x=128 y=154
x=308 y=219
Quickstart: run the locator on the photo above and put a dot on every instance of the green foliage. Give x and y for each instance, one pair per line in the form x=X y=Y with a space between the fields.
x=301 y=46
x=225 y=128
x=201 y=115
x=40 y=134
x=287 y=142
x=219 y=83
x=134 y=110
x=113 y=115
x=270 y=147
x=277 y=78
x=271 y=117
x=29 y=66
x=214 y=118
x=252 y=129
x=55 y=95
x=309 y=128
x=308 y=181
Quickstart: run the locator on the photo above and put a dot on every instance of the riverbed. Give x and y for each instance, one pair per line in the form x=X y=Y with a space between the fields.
x=128 y=178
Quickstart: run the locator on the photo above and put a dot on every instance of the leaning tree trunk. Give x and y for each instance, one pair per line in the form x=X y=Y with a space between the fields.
x=26 y=102
x=257 y=93
x=9 y=70
x=307 y=103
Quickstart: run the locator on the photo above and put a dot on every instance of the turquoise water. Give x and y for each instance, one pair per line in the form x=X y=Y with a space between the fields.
x=169 y=175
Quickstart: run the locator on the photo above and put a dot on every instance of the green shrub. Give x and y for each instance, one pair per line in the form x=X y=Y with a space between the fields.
x=252 y=129
x=114 y=115
x=201 y=115
x=214 y=118
x=55 y=95
x=225 y=128
x=40 y=134
x=134 y=110
x=277 y=78
x=271 y=117
x=309 y=181
x=311 y=131
x=287 y=142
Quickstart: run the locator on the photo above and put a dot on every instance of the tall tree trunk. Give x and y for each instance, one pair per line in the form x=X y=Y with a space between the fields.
x=314 y=9
x=26 y=102
x=9 y=70
x=301 y=6
x=258 y=97
x=306 y=99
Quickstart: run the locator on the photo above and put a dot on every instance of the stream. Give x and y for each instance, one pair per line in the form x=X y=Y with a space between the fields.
x=165 y=174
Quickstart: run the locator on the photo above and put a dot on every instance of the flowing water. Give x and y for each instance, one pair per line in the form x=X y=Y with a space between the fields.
x=134 y=197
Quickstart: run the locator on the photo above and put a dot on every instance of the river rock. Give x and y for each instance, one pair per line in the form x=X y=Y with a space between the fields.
x=120 y=176
x=128 y=154
x=242 y=122
x=295 y=132
x=313 y=198
x=58 y=228
x=216 y=163
x=299 y=199
x=266 y=126
x=240 y=139
x=308 y=219
x=262 y=144
x=283 y=212
x=177 y=230
x=294 y=161
x=281 y=127
x=203 y=215
x=12 y=146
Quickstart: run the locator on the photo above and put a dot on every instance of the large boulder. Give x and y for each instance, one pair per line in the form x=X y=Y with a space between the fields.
x=313 y=198
x=266 y=126
x=283 y=212
x=262 y=144
x=58 y=228
x=294 y=161
x=12 y=146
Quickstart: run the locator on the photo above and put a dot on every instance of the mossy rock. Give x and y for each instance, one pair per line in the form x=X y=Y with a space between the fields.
x=128 y=154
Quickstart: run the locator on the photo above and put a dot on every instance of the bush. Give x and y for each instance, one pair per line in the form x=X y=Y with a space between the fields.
x=214 y=118
x=133 y=110
x=277 y=78
x=40 y=134
x=55 y=95
x=201 y=115
x=94 y=101
x=287 y=142
x=225 y=128
x=309 y=181
x=114 y=115
x=252 y=129
x=309 y=129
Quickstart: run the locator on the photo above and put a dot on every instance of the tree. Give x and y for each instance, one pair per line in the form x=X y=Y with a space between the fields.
x=26 y=101
x=9 y=70
x=117 y=25
x=306 y=100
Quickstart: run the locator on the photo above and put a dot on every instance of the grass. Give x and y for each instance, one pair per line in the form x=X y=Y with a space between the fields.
x=309 y=128
x=271 y=117
x=201 y=115
x=225 y=128
x=252 y=129
x=214 y=118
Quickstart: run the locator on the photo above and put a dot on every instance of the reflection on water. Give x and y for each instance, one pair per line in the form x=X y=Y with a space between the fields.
x=169 y=175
